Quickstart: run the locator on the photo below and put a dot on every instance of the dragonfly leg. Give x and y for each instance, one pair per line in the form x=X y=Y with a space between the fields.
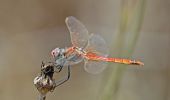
x=59 y=68
x=65 y=78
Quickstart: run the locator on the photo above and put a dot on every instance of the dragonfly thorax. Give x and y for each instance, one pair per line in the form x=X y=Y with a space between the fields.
x=80 y=50
x=67 y=56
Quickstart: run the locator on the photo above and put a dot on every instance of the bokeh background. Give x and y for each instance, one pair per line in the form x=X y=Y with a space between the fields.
x=137 y=29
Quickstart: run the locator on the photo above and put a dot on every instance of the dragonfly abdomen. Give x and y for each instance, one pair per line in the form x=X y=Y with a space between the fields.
x=123 y=61
x=91 y=56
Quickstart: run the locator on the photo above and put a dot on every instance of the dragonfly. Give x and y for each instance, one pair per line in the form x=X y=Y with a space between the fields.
x=88 y=47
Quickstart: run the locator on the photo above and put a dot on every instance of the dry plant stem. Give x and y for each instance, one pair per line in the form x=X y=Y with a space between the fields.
x=42 y=97
x=112 y=85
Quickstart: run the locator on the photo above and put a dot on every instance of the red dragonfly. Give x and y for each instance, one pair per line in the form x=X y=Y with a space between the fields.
x=90 y=48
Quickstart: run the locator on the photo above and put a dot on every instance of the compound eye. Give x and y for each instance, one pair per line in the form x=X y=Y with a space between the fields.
x=54 y=53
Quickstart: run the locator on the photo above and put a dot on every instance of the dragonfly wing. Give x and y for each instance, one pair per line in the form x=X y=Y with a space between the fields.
x=98 y=46
x=78 y=32
x=94 y=67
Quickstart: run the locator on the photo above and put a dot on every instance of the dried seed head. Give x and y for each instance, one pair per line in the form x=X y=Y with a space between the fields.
x=44 y=84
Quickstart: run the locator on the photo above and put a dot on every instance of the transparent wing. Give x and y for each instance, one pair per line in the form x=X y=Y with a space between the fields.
x=78 y=32
x=94 y=67
x=98 y=46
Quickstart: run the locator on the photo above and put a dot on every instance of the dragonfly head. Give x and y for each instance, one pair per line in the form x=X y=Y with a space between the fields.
x=55 y=52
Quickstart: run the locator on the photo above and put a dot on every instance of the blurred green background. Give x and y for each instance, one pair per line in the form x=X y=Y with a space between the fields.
x=138 y=29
